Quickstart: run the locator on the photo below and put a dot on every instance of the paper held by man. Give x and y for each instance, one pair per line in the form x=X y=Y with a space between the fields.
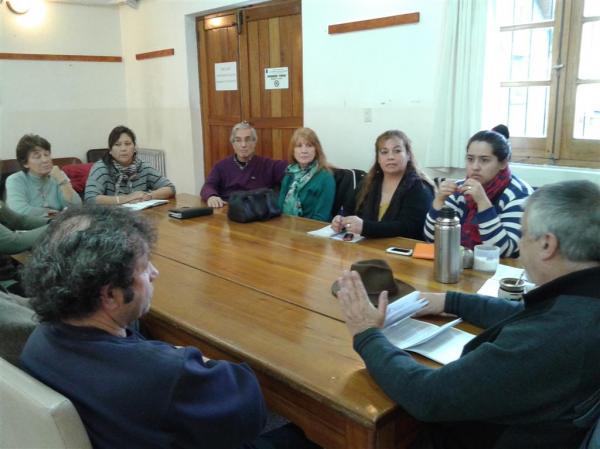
x=442 y=344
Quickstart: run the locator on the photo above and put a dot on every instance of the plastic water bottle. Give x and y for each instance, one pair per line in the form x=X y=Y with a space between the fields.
x=447 y=263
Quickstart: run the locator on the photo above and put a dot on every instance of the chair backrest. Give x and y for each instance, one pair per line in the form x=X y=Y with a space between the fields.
x=34 y=415
x=590 y=419
x=95 y=154
x=346 y=182
x=592 y=439
x=17 y=322
x=7 y=168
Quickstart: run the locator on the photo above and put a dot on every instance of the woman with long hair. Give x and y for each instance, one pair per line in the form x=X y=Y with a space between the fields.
x=308 y=187
x=120 y=177
x=489 y=201
x=394 y=196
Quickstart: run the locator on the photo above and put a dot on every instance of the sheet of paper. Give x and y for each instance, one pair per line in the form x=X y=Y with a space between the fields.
x=226 y=75
x=277 y=78
x=445 y=347
x=325 y=231
x=404 y=307
x=328 y=232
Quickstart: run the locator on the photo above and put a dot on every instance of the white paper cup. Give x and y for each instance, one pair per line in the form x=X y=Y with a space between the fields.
x=486 y=258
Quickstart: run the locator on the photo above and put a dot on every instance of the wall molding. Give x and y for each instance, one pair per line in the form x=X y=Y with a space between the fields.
x=48 y=57
x=155 y=54
x=371 y=24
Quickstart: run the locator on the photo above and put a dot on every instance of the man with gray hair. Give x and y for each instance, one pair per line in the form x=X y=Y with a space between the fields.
x=89 y=279
x=531 y=378
x=242 y=171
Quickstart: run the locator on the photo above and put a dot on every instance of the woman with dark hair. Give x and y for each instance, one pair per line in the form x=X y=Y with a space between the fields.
x=490 y=200
x=394 y=196
x=308 y=187
x=120 y=177
x=40 y=189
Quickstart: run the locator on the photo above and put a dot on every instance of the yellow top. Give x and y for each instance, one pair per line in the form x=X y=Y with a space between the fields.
x=382 y=208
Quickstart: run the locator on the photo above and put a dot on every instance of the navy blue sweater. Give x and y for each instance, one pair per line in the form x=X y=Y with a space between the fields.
x=136 y=393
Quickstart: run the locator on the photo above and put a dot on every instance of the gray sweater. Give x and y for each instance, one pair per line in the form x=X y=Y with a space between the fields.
x=520 y=384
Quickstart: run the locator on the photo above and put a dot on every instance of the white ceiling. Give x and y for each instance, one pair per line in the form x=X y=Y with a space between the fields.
x=132 y=3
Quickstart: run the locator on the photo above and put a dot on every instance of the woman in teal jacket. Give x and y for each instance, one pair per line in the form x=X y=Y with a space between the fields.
x=308 y=187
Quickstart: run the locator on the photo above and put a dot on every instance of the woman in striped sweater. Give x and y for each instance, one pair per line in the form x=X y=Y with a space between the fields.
x=120 y=177
x=490 y=200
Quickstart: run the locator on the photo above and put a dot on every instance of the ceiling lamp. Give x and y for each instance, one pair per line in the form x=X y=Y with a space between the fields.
x=18 y=6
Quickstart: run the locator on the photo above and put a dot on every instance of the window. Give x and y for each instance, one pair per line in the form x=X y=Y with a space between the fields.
x=547 y=85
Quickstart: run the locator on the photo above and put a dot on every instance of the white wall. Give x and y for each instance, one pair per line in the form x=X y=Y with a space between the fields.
x=390 y=72
x=163 y=94
x=72 y=104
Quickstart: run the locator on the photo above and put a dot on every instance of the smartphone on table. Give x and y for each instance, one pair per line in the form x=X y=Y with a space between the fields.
x=399 y=251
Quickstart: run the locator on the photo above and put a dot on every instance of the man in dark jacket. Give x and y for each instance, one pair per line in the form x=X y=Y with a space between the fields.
x=89 y=278
x=530 y=379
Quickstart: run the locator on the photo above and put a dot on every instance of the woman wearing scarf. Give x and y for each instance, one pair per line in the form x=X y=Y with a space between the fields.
x=120 y=177
x=394 y=196
x=308 y=187
x=490 y=200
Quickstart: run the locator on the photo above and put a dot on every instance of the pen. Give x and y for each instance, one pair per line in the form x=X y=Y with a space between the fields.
x=348 y=235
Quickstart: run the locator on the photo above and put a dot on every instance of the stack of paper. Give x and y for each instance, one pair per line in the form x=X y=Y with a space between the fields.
x=443 y=344
x=145 y=204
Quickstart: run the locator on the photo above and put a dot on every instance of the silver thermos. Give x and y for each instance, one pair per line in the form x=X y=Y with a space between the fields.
x=447 y=263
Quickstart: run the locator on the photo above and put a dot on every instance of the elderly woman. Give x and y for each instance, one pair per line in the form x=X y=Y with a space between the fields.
x=490 y=200
x=308 y=187
x=120 y=177
x=394 y=196
x=40 y=189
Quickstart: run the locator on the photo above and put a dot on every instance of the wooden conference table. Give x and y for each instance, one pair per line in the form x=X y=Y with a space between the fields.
x=260 y=293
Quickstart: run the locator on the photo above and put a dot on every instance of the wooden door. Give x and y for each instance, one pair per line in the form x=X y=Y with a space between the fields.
x=256 y=39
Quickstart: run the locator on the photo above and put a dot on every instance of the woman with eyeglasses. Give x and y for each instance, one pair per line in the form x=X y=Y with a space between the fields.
x=120 y=177
x=394 y=196
x=490 y=200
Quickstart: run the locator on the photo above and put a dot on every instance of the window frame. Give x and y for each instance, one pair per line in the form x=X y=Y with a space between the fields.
x=559 y=147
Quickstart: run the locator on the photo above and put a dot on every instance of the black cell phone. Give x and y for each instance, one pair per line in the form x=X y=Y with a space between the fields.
x=399 y=251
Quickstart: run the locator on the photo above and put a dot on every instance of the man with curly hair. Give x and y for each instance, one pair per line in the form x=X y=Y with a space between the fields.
x=89 y=279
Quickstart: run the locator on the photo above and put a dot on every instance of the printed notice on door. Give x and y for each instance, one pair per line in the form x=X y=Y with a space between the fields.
x=226 y=75
x=276 y=78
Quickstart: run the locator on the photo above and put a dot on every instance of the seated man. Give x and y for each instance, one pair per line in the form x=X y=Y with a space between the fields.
x=89 y=278
x=242 y=171
x=531 y=376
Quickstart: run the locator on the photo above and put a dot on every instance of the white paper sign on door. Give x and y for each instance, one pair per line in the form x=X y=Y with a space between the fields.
x=226 y=75
x=276 y=78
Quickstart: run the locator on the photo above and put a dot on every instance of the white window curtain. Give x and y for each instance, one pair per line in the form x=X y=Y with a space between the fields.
x=460 y=85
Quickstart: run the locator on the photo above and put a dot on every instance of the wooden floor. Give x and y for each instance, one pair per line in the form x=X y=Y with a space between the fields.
x=260 y=293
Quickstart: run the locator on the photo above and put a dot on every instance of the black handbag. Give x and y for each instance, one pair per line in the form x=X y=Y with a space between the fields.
x=253 y=205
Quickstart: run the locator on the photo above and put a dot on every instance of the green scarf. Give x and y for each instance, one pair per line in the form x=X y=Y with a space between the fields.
x=301 y=177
